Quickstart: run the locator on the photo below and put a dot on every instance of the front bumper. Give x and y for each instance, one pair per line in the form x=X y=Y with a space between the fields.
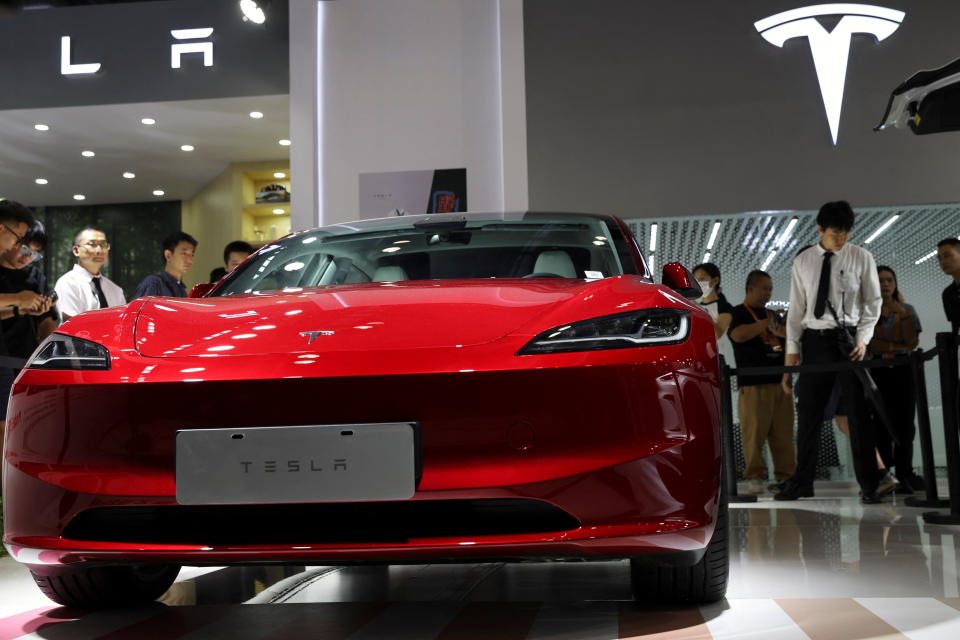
x=630 y=452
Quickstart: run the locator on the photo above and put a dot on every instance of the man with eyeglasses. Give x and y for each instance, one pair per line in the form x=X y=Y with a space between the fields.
x=19 y=272
x=15 y=219
x=84 y=288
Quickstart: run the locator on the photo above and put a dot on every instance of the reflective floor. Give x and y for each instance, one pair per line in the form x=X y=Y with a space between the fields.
x=824 y=568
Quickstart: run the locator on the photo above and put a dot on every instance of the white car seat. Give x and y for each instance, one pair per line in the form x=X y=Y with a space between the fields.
x=555 y=261
x=390 y=273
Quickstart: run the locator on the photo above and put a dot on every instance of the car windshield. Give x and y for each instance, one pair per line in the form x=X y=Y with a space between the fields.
x=438 y=247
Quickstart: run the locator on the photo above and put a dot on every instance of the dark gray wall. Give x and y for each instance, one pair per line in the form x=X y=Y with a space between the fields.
x=132 y=42
x=648 y=108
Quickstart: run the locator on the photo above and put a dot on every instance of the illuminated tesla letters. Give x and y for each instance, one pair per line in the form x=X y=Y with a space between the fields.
x=67 y=67
x=189 y=41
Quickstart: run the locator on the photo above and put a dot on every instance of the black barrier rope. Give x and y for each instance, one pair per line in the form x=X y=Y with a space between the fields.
x=950 y=395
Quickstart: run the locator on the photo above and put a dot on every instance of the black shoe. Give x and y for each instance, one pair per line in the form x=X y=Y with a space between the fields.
x=912 y=481
x=903 y=489
x=793 y=491
x=871 y=498
x=776 y=487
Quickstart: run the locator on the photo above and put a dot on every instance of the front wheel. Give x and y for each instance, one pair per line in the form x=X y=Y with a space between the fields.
x=107 y=586
x=701 y=583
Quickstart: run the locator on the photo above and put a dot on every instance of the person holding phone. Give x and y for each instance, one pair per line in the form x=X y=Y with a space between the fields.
x=19 y=303
x=20 y=270
x=766 y=409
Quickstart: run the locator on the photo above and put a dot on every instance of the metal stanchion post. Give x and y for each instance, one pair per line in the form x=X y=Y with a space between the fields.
x=932 y=499
x=726 y=436
x=946 y=344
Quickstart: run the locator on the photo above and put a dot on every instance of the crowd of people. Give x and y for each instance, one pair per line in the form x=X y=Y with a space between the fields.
x=30 y=310
x=843 y=307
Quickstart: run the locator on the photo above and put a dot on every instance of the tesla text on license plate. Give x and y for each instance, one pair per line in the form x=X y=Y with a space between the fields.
x=313 y=463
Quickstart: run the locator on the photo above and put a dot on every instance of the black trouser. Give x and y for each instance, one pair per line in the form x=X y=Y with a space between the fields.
x=896 y=388
x=814 y=392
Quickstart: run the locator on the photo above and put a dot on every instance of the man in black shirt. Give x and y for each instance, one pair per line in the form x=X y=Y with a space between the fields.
x=15 y=220
x=766 y=410
x=178 y=253
x=948 y=255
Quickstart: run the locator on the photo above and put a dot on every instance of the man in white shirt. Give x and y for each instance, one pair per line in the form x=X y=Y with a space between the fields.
x=83 y=288
x=834 y=288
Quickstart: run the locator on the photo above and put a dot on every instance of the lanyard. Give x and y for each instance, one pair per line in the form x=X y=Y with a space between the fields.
x=766 y=337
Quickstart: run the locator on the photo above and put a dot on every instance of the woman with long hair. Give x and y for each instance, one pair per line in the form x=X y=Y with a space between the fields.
x=896 y=333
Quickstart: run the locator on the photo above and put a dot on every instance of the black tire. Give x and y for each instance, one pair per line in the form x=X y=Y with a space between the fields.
x=702 y=583
x=110 y=586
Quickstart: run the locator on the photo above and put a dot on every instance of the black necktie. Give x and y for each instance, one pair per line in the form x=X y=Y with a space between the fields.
x=102 y=298
x=823 y=289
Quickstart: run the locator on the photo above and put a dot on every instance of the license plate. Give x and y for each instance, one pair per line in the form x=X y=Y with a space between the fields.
x=314 y=463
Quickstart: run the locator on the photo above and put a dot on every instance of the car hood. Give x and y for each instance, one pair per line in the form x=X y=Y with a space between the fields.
x=364 y=317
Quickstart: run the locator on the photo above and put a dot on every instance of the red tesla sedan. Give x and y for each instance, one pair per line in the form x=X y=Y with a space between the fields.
x=421 y=388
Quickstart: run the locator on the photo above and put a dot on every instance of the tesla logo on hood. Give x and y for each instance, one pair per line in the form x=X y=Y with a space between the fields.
x=830 y=48
x=313 y=335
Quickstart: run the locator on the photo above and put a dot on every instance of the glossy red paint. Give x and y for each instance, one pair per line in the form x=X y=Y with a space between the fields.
x=624 y=440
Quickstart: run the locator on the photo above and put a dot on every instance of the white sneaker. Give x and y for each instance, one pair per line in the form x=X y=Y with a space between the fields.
x=756 y=487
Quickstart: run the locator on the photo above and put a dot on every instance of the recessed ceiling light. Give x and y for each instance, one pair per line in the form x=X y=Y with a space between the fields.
x=158 y=192
x=186 y=147
x=41 y=127
x=41 y=181
x=79 y=196
x=279 y=174
x=256 y=115
x=148 y=121
x=129 y=175
x=87 y=154
x=279 y=211
x=252 y=11
x=284 y=142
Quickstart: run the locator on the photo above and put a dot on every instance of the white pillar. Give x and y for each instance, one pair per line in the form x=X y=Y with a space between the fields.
x=305 y=85
x=381 y=85
x=513 y=104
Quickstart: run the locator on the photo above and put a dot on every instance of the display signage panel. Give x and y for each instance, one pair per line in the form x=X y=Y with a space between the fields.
x=141 y=52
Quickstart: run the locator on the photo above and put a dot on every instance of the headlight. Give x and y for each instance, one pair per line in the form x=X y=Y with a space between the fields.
x=644 y=328
x=69 y=353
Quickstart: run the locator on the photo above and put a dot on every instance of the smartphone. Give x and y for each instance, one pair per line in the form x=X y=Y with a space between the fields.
x=53 y=296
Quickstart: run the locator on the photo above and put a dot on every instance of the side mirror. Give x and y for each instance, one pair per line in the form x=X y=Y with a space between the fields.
x=202 y=289
x=678 y=277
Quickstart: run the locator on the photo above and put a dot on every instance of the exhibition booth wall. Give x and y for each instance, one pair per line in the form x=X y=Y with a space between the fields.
x=680 y=108
x=125 y=115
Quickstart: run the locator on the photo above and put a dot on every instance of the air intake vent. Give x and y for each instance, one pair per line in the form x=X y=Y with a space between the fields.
x=340 y=523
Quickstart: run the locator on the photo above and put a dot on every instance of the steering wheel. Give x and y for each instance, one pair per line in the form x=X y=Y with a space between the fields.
x=543 y=274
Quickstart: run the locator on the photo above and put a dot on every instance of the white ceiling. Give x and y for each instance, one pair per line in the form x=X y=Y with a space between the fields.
x=221 y=131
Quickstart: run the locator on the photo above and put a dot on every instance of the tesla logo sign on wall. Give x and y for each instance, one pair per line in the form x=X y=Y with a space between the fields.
x=830 y=49
x=197 y=44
